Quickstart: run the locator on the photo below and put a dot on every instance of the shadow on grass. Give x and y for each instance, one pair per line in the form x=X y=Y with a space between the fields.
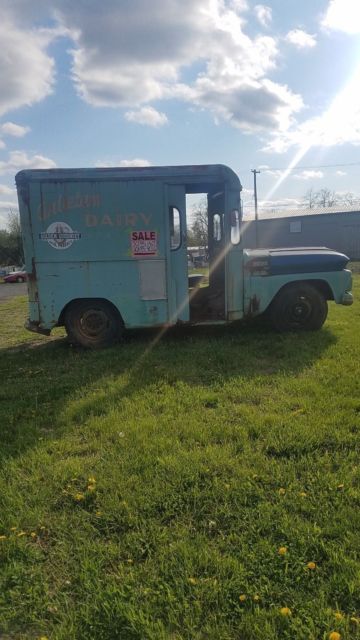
x=39 y=379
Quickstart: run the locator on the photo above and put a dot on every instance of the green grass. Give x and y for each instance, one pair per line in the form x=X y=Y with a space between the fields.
x=201 y=446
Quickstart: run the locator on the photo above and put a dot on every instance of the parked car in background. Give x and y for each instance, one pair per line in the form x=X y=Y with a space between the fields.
x=5 y=270
x=16 y=276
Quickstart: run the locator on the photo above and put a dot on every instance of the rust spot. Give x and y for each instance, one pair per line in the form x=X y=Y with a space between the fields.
x=253 y=308
x=254 y=304
x=32 y=275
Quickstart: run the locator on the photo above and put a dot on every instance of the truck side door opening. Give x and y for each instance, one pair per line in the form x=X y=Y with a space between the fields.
x=207 y=303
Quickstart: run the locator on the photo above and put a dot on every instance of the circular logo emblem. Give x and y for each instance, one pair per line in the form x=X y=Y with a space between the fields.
x=60 y=235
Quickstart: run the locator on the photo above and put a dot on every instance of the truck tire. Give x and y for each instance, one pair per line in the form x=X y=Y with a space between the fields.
x=93 y=324
x=298 y=307
x=20 y=279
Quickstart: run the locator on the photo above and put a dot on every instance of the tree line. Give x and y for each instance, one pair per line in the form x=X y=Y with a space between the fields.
x=11 y=249
x=328 y=198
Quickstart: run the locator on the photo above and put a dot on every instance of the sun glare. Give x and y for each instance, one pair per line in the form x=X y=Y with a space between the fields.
x=331 y=128
x=343 y=16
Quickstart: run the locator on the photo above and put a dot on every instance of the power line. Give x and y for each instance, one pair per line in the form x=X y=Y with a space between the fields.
x=318 y=166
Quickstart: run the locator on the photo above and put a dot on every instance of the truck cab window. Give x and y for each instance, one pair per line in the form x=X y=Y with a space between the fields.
x=175 y=228
x=235 y=226
x=217 y=227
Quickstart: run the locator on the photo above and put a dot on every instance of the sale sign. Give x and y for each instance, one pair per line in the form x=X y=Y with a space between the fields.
x=144 y=243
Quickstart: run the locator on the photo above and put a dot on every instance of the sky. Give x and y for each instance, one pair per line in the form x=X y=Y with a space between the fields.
x=270 y=86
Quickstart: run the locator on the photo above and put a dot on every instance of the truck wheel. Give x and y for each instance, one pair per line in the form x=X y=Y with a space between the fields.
x=20 y=279
x=299 y=307
x=93 y=323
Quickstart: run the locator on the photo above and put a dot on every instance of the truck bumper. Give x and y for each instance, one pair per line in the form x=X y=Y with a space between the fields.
x=32 y=325
x=347 y=298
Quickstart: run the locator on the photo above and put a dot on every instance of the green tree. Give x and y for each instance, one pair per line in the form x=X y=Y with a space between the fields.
x=11 y=249
x=198 y=233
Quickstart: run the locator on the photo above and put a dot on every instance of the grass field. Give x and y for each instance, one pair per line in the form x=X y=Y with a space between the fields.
x=179 y=491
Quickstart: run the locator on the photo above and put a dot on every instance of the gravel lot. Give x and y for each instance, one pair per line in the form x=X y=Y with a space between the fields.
x=11 y=290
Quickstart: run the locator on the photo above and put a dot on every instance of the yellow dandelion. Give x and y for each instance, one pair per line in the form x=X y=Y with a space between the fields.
x=43 y=638
x=302 y=494
x=2 y=537
x=79 y=497
x=52 y=609
x=282 y=491
x=227 y=486
x=334 y=635
x=98 y=513
x=91 y=487
x=192 y=580
x=311 y=566
x=282 y=551
x=340 y=486
x=130 y=561
x=21 y=534
x=338 y=615
x=42 y=528
x=285 y=611
x=92 y=480
x=256 y=598
x=242 y=598
x=33 y=534
x=13 y=528
x=355 y=620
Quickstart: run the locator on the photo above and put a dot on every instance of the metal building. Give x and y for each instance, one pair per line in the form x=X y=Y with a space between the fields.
x=339 y=230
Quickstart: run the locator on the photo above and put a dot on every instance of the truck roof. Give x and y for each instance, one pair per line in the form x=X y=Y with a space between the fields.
x=195 y=177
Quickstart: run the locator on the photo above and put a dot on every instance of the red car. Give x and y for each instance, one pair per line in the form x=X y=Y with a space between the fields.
x=16 y=276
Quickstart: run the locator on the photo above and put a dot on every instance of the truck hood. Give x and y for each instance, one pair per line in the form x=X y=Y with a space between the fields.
x=293 y=260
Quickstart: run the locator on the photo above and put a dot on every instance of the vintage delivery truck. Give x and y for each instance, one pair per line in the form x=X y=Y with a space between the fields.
x=105 y=250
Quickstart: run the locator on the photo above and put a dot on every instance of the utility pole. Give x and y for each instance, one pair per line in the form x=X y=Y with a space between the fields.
x=255 y=171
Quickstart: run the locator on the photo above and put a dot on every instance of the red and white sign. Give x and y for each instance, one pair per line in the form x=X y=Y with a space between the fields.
x=144 y=243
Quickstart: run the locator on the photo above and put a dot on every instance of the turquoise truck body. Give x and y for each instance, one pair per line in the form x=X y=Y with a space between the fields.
x=119 y=235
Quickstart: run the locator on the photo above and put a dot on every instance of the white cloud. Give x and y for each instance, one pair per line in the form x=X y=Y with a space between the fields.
x=301 y=39
x=280 y=203
x=12 y=129
x=252 y=105
x=123 y=59
x=239 y=5
x=263 y=14
x=341 y=173
x=275 y=173
x=5 y=190
x=26 y=70
x=135 y=162
x=147 y=116
x=309 y=174
x=343 y=15
x=20 y=160
x=339 y=124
